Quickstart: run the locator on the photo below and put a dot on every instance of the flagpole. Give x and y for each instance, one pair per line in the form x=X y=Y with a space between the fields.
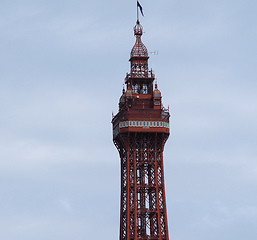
x=137 y=14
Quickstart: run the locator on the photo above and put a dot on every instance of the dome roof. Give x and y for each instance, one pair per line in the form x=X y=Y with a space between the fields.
x=129 y=92
x=122 y=98
x=156 y=93
x=139 y=49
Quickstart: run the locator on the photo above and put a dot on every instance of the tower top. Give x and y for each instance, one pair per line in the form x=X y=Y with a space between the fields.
x=138 y=29
x=139 y=49
x=140 y=105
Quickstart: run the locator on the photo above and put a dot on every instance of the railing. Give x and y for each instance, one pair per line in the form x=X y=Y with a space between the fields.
x=165 y=113
x=140 y=74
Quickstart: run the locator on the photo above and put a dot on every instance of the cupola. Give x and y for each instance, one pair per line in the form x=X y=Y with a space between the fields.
x=139 y=49
x=157 y=102
x=129 y=92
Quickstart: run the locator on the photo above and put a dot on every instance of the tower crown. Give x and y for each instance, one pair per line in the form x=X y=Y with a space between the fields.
x=140 y=104
x=139 y=49
x=138 y=29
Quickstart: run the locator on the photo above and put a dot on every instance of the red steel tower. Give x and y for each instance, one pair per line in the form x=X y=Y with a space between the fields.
x=140 y=130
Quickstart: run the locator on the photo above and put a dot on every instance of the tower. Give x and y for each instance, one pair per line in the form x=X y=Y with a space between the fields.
x=140 y=130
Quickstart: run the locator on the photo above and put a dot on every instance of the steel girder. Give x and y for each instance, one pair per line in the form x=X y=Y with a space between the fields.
x=143 y=206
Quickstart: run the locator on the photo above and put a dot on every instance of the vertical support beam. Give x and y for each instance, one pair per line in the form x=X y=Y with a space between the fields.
x=135 y=184
x=127 y=188
x=157 y=187
x=163 y=189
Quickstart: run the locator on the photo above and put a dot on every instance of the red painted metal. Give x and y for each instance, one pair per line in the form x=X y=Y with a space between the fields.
x=140 y=130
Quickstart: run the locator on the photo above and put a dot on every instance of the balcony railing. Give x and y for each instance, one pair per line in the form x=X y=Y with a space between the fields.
x=140 y=74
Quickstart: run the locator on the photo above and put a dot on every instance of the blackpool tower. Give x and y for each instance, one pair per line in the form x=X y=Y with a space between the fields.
x=140 y=130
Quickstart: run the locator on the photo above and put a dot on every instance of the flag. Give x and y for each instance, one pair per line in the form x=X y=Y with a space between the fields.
x=140 y=7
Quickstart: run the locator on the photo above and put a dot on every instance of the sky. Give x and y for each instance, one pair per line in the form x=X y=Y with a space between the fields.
x=62 y=67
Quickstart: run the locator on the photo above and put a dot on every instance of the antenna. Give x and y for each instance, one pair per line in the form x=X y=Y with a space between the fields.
x=154 y=52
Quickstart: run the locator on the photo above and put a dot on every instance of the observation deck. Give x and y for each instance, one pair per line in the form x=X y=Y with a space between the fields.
x=142 y=75
x=141 y=120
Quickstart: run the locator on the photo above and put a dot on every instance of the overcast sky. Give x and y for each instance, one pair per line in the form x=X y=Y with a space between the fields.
x=62 y=67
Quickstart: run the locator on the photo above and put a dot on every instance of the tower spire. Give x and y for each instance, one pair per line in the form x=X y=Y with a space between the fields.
x=139 y=49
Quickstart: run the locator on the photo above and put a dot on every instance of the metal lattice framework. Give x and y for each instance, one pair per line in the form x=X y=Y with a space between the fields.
x=140 y=130
x=139 y=49
x=143 y=206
